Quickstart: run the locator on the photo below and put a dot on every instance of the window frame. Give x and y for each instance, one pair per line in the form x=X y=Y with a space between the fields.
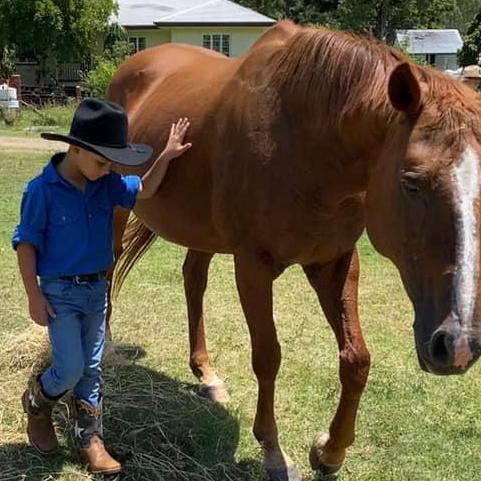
x=135 y=42
x=223 y=36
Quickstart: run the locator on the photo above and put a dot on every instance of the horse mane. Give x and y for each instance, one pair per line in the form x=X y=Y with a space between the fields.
x=344 y=73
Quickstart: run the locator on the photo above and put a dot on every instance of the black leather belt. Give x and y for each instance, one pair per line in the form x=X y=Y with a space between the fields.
x=84 y=278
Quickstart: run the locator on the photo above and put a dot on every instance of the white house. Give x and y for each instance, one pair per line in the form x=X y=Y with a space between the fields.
x=436 y=47
x=221 y=25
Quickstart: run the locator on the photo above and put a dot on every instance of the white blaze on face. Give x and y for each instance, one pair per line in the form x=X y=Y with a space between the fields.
x=466 y=191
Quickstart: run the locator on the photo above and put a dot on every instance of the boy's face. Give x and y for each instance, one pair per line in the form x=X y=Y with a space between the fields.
x=92 y=166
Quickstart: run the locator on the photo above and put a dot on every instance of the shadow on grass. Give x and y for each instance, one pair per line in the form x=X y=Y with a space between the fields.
x=156 y=426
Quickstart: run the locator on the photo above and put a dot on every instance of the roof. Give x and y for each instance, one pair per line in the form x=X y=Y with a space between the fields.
x=156 y=13
x=430 y=41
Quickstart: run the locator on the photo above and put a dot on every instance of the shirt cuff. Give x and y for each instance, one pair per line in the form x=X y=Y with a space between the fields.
x=29 y=235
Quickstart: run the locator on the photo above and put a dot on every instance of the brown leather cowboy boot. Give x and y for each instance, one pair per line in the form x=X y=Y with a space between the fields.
x=38 y=408
x=88 y=431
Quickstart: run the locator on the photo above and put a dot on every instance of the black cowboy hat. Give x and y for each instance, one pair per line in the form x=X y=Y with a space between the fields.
x=101 y=127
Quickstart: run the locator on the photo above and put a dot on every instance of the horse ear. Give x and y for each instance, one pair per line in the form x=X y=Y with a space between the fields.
x=404 y=90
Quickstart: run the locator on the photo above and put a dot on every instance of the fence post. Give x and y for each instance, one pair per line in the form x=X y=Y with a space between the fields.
x=16 y=82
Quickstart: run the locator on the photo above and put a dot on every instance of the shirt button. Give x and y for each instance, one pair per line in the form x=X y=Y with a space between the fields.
x=90 y=216
x=64 y=218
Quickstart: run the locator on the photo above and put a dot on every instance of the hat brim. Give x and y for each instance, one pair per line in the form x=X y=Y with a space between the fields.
x=132 y=155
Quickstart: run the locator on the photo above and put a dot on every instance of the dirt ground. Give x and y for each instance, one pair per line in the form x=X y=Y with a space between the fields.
x=20 y=143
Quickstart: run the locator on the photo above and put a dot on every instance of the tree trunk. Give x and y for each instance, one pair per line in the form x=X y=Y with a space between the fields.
x=288 y=8
x=380 y=30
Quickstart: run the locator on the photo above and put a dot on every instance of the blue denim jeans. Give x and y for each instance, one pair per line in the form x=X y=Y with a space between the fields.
x=77 y=336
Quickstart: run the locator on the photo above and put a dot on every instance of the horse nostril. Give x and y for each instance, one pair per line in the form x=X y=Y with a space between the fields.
x=441 y=349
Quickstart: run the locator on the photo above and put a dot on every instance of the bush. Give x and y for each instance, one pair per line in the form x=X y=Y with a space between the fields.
x=98 y=79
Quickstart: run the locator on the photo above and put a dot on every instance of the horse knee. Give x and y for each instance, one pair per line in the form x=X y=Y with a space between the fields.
x=354 y=368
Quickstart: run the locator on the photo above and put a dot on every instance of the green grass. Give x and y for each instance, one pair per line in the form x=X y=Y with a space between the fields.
x=29 y=123
x=412 y=426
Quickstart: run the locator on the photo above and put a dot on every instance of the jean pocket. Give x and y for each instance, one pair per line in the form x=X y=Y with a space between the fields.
x=57 y=289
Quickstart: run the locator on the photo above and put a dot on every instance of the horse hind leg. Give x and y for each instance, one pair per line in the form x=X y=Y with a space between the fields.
x=336 y=285
x=195 y=270
x=254 y=277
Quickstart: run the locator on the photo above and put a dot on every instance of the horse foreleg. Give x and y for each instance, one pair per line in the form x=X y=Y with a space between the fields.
x=254 y=277
x=195 y=270
x=121 y=216
x=336 y=285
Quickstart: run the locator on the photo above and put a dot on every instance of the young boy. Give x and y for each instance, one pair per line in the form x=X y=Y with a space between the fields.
x=65 y=239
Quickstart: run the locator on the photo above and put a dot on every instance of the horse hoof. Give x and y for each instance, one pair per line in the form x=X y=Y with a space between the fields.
x=285 y=473
x=214 y=391
x=317 y=456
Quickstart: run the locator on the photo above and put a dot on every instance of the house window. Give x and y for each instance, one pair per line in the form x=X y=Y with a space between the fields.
x=137 y=43
x=220 y=42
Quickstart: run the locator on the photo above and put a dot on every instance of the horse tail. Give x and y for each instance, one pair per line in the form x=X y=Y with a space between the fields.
x=137 y=239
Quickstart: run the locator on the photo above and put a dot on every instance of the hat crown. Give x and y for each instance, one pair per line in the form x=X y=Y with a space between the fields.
x=100 y=122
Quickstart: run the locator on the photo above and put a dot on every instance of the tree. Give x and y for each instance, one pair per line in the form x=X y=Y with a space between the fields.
x=472 y=43
x=462 y=16
x=378 y=17
x=303 y=11
x=54 y=30
x=383 y=17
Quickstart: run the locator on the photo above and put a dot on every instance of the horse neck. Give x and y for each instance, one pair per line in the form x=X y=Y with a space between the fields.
x=336 y=85
x=352 y=142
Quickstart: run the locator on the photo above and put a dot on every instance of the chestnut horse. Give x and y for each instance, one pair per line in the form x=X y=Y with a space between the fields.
x=298 y=146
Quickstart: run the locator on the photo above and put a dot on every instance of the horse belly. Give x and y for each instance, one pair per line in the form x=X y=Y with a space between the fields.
x=183 y=228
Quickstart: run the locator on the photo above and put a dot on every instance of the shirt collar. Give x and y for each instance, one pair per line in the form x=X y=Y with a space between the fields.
x=50 y=173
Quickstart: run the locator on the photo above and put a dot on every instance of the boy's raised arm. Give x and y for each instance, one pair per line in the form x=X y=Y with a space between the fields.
x=174 y=148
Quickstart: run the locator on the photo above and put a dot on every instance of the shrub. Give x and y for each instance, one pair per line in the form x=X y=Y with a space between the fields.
x=99 y=78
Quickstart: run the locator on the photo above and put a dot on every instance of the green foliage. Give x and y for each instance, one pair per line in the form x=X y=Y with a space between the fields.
x=98 y=79
x=54 y=28
x=303 y=11
x=31 y=121
x=462 y=16
x=472 y=43
x=378 y=17
x=7 y=60
x=115 y=34
x=383 y=17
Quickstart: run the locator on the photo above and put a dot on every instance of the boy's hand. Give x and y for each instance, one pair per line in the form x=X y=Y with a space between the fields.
x=40 y=309
x=175 y=146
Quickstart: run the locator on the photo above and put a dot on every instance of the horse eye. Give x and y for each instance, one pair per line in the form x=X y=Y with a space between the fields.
x=411 y=182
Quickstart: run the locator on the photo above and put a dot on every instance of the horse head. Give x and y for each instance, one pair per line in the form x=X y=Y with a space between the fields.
x=423 y=212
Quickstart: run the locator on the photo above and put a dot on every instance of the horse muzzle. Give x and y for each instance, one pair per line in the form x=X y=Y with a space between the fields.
x=448 y=352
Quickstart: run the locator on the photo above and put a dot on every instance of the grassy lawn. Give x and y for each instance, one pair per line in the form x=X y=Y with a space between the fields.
x=412 y=427
x=29 y=123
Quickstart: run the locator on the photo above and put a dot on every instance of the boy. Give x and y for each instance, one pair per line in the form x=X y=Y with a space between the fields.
x=65 y=239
